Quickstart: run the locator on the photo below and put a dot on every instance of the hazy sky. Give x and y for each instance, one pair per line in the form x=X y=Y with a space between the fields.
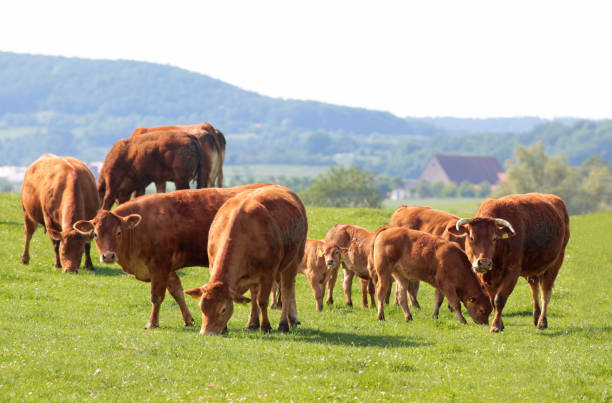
x=412 y=58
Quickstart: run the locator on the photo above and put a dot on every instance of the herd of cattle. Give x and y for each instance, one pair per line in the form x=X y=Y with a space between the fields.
x=253 y=237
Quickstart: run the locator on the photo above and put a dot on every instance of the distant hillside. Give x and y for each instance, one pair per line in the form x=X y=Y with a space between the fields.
x=81 y=107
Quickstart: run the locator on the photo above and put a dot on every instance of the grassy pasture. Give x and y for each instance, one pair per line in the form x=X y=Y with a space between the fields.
x=81 y=337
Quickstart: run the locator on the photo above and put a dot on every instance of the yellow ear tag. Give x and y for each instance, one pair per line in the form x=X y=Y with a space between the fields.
x=505 y=236
x=319 y=253
x=468 y=302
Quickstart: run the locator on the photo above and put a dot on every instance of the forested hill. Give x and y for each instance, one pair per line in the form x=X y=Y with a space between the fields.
x=80 y=107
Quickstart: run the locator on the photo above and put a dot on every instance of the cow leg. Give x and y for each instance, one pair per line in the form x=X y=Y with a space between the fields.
x=318 y=290
x=347 y=284
x=455 y=302
x=331 y=283
x=438 y=299
x=276 y=303
x=175 y=288
x=382 y=288
x=364 y=292
x=289 y=310
x=58 y=263
x=159 y=281
x=160 y=187
x=263 y=298
x=253 y=323
x=501 y=296
x=403 y=300
x=413 y=290
x=547 y=281
x=181 y=183
x=372 y=292
x=29 y=228
x=534 y=283
x=88 y=263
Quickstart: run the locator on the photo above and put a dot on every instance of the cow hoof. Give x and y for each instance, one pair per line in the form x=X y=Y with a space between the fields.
x=151 y=326
x=434 y=316
x=329 y=302
x=92 y=268
x=408 y=318
x=294 y=322
x=349 y=304
x=25 y=260
x=380 y=317
x=57 y=266
x=495 y=329
x=252 y=326
x=543 y=323
x=266 y=328
x=189 y=322
x=283 y=327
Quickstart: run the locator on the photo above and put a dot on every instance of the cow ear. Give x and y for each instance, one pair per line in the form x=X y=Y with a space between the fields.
x=505 y=232
x=83 y=227
x=131 y=221
x=54 y=234
x=241 y=299
x=195 y=293
x=458 y=232
x=319 y=252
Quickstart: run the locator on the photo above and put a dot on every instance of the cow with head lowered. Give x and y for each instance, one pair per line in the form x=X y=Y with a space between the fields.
x=57 y=192
x=256 y=237
x=517 y=235
x=153 y=236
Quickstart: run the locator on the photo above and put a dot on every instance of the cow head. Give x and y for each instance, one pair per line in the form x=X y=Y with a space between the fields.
x=107 y=229
x=71 y=248
x=331 y=254
x=476 y=302
x=483 y=234
x=217 y=305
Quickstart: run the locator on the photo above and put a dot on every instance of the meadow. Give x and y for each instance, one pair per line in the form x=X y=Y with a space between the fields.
x=81 y=337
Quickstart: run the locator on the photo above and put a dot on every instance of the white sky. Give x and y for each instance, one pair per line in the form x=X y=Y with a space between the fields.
x=412 y=58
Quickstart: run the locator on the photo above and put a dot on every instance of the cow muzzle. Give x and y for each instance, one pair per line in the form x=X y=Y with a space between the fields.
x=482 y=265
x=108 y=257
x=330 y=263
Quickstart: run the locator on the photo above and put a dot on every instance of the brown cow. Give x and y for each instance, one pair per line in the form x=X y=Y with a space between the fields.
x=320 y=262
x=254 y=237
x=407 y=255
x=153 y=236
x=57 y=192
x=518 y=235
x=133 y=163
x=435 y=222
x=212 y=143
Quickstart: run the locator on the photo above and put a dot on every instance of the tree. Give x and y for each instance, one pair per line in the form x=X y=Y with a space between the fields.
x=466 y=189
x=343 y=187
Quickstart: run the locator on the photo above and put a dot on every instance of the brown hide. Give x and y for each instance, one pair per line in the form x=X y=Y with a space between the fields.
x=133 y=163
x=358 y=242
x=57 y=192
x=255 y=237
x=426 y=219
x=212 y=143
x=319 y=264
x=172 y=233
x=408 y=255
x=534 y=248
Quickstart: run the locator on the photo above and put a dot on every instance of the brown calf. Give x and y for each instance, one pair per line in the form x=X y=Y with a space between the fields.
x=408 y=255
x=57 y=192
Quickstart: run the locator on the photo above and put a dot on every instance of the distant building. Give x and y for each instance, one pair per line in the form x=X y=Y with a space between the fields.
x=459 y=168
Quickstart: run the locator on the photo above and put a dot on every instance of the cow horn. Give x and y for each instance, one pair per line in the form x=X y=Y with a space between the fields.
x=504 y=223
x=461 y=222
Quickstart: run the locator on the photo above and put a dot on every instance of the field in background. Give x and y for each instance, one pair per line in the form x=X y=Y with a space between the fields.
x=77 y=337
x=260 y=171
x=460 y=206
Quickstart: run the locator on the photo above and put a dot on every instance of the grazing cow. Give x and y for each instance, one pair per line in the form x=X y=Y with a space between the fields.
x=212 y=143
x=518 y=235
x=57 y=192
x=153 y=236
x=254 y=237
x=133 y=163
x=407 y=255
x=435 y=222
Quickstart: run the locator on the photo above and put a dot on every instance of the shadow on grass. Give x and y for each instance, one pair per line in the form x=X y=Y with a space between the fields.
x=14 y=223
x=576 y=330
x=528 y=313
x=105 y=271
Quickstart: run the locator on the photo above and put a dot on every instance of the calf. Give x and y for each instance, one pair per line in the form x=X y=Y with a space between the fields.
x=153 y=236
x=319 y=264
x=408 y=255
x=255 y=237
x=518 y=235
x=57 y=192
x=435 y=222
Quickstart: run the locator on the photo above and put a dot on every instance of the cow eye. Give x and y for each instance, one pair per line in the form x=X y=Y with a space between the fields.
x=95 y=234
x=118 y=233
x=222 y=311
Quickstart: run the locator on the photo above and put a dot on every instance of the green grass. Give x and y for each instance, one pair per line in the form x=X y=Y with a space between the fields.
x=460 y=206
x=80 y=337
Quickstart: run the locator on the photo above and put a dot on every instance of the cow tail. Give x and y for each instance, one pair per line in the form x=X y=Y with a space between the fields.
x=198 y=152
